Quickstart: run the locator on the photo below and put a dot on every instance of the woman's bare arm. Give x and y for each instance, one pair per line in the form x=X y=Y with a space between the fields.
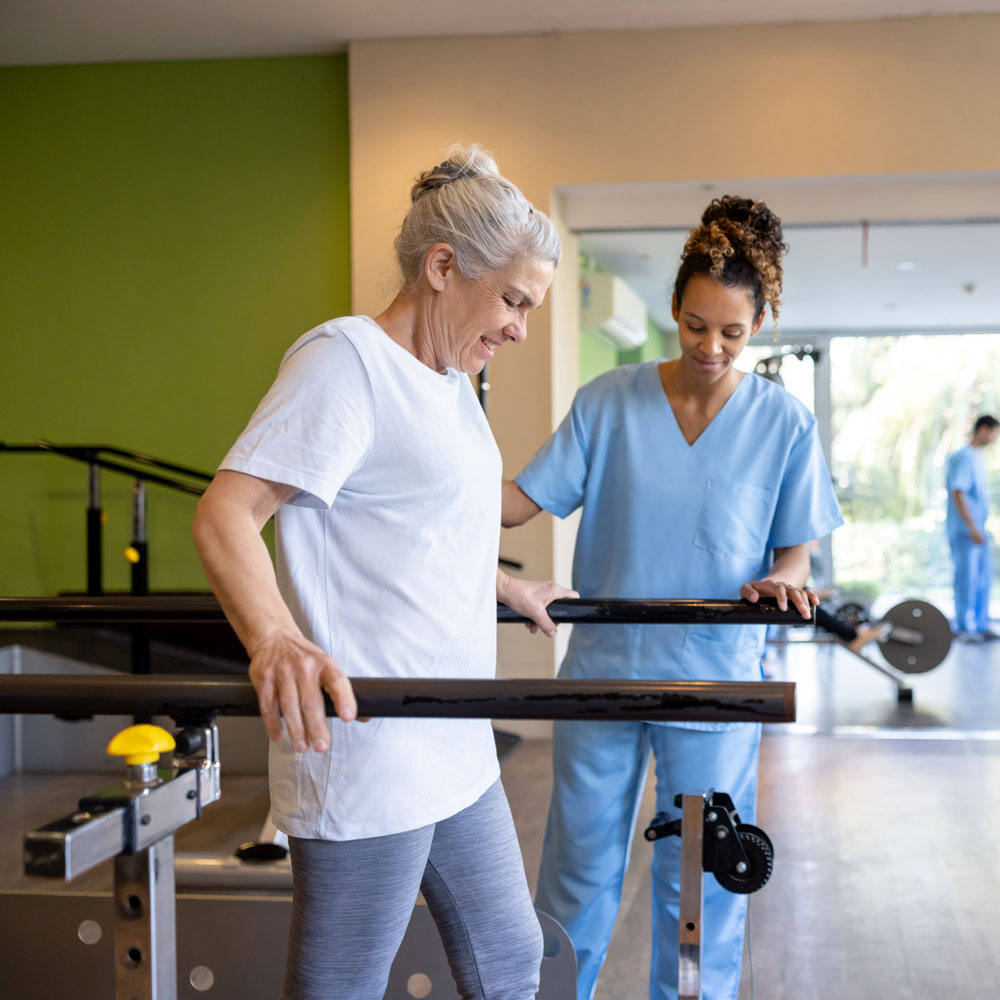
x=288 y=671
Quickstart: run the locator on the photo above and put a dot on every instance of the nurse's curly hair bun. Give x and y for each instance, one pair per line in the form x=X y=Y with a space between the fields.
x=465 y=202
x=739 y=243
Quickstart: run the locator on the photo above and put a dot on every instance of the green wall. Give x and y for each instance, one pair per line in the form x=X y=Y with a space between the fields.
x=166 y=231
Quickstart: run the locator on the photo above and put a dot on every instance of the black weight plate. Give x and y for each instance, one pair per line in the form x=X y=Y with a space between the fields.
x=917 y=616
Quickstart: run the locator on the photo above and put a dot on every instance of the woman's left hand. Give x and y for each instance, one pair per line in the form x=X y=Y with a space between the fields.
x=530 y=598
x=801 y=597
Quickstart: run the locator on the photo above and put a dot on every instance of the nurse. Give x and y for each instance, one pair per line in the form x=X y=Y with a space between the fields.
x=696 y=480
x=968 y=502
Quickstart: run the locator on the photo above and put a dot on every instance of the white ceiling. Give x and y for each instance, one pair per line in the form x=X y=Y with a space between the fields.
x=950 y=280
x=947 y=226
x=79 y=31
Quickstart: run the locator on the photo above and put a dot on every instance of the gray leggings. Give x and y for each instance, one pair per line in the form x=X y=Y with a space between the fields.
x=352 y=901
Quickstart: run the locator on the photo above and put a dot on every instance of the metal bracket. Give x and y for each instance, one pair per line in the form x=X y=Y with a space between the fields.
x=134 y=823
x=712 y=840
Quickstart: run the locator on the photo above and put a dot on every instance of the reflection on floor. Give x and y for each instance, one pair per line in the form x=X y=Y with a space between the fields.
x=883 y=820
x=882 y=817
x=838 y=693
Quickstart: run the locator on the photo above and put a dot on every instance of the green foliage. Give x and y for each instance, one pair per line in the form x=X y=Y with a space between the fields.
x=902 y=405
x=861 y=591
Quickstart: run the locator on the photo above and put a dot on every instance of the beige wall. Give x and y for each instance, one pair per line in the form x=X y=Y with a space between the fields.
x=901 y=96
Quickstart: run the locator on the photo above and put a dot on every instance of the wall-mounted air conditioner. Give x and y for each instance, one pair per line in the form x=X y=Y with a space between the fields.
x=612 y=310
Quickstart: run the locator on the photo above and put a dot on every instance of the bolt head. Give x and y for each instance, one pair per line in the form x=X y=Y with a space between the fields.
x=741 y=867
x=721 y=832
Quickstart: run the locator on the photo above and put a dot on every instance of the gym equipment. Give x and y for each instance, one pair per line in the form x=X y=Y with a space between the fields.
x=713 y=839
x=770 y=367
x=917 y=638
x=134 y=821
x=202 y=608
x=182 y=698
x=739 y=855
x=145 y=469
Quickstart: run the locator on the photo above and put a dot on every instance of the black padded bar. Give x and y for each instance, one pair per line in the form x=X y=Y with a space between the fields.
x=198 y=608
x=185 y=697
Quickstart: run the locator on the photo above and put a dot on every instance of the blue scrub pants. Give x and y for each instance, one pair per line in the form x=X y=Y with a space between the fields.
x=599 y=774
x=973 y=575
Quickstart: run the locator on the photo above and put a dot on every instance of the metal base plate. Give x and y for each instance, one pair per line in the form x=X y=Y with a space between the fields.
x=229 y=947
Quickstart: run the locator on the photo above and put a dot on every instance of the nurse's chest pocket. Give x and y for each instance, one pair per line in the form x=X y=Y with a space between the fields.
x=735 y=519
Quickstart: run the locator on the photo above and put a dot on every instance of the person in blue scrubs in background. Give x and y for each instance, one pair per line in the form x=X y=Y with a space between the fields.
x=696 y=480
x=968 y=502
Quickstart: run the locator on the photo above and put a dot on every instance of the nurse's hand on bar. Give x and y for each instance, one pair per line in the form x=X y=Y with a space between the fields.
x=530 y=598
x=801 y=597
x=290 y=674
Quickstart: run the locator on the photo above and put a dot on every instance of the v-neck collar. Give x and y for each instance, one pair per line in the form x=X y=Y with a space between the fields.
x=677 y=424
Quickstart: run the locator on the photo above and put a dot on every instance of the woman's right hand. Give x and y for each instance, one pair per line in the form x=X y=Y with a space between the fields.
x=290 y=674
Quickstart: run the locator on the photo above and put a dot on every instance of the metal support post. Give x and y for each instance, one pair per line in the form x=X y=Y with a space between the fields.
x=145 y=925
x=692 y=854
x=138 y=555
x=95 y=529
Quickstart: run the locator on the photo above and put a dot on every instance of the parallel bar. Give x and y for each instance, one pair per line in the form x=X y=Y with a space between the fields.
x=85 y=454
x=111 y=608
x=76 y=450
x=667 y=611
x=198 y=608
x=186 y=697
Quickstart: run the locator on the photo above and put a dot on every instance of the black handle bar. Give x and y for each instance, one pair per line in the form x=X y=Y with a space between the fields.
x=201 y=608
x=186 y=698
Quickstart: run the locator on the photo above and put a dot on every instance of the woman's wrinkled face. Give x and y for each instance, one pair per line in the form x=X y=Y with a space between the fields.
x=476 y=317
x=714 y=323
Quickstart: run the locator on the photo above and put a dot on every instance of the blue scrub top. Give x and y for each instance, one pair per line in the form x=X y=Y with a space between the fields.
x=662 y=518
x=967 y=472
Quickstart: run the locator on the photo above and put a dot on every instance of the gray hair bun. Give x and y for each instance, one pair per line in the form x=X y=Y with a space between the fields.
x=464 y=202
x=463 y=163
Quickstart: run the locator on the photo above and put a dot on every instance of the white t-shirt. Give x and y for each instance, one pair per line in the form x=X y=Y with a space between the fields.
x=387 y=558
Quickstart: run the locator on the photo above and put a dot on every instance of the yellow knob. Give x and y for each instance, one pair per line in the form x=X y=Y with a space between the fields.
x=141 y=744
x=132 y=554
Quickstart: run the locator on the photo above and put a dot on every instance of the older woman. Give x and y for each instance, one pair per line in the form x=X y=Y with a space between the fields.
x=374 y=455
